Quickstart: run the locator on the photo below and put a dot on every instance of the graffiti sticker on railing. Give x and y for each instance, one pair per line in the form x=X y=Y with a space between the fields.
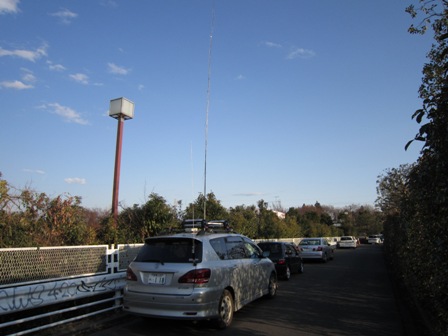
x=27 y=297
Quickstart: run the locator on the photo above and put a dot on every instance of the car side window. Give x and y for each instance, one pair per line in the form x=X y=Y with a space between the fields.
x=235 y=248
x=252 y=251
x=219 y=245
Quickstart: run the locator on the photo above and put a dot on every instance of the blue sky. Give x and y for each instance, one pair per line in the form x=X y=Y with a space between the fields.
x=309 y=100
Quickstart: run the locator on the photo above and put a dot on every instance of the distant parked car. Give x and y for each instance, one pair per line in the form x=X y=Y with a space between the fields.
x=374 y=239
x=198 y=274
x=285 y=256
x=347 y=242
x=316 y=248
x=363 y=240
x=333 y=242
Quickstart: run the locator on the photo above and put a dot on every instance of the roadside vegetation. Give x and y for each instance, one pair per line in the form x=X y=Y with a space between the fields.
x=414 y=197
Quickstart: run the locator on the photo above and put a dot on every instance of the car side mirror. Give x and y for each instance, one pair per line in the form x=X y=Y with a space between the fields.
x=266 y=254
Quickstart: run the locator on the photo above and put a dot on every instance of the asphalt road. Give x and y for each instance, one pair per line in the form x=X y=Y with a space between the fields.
x=350 y=295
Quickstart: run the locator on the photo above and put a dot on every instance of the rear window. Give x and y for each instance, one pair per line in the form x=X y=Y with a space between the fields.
x=346 y=238
x=310 y=242
x=170 y=250
x=275 y=250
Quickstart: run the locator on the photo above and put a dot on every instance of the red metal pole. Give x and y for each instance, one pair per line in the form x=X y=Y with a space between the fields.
x=117 y=170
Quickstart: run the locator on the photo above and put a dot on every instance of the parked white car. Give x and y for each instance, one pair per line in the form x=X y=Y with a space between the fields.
x=333 y=242
x=374 y=239
x=347 y=242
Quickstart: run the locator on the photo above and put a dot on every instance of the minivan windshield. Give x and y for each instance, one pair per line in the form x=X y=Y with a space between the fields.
x=170 y=250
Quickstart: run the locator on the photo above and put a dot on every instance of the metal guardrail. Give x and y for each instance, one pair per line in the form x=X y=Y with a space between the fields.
x=39 y=285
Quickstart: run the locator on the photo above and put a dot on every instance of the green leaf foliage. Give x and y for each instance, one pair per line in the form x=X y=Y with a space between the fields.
x=414 y=198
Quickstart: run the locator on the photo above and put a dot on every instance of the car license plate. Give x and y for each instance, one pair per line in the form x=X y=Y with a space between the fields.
x=156 y=278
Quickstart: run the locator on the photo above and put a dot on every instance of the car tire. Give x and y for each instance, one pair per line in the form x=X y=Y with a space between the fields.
x=272 y=286
x=287 y=275
x=225 y=310
x=301 y=268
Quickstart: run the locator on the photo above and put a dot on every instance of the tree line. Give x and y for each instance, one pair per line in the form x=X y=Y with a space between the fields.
x=29 y=218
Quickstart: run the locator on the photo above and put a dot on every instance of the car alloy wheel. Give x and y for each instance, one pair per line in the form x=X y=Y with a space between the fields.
x=272 y=286
x=225 y=310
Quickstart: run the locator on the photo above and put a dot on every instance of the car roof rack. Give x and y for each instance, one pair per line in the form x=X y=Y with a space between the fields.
x=193 y=225
x=199 y=226
x=216 y=226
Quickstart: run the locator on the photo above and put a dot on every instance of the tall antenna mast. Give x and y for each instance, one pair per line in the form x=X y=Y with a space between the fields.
x=207 y=110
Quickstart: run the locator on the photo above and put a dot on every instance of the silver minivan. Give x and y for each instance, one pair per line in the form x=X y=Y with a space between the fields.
x=198 y=275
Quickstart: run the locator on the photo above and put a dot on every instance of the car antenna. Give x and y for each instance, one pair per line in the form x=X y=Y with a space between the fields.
x=193 y=248
x=207 y=110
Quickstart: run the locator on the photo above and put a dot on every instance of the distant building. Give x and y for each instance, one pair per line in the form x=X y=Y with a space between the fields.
x=279 y=214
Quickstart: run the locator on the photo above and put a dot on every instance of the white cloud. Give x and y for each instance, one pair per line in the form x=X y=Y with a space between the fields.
x=294 y=53
x=28 y=76
x=75 y=180
x=80 y=78
x=29 y=55
x=9 y=6
x=240 y=77
x=300 y=53
x=37 y=171
x=65 y=112
x=271 y=44
x=109 y=3
x=66 y=16
x=55 y=67
x=18 y=85
x=249 y=194
x=115 y=69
